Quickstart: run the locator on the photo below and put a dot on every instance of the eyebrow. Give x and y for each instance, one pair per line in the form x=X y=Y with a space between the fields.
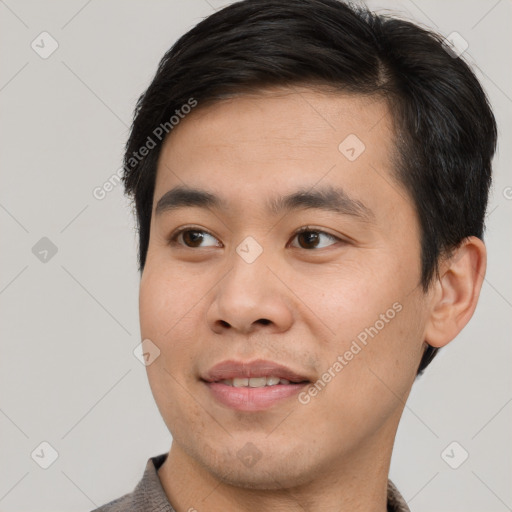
x=325 y=198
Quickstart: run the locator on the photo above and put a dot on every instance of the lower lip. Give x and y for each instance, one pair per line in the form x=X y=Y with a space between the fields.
x=253 y=399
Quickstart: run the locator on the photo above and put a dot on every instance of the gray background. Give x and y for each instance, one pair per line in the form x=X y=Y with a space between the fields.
x=68 y=375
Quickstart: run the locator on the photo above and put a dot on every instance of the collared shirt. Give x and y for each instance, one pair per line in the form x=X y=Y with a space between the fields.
x=149 y=495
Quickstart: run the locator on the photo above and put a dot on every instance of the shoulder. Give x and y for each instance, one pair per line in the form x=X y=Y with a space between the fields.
x=123 y=504
x=147 y=496
x=396 y=502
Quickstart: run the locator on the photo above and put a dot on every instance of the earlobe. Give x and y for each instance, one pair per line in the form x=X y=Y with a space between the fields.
x=455 y=294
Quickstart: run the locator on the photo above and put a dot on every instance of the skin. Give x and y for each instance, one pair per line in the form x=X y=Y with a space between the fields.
x=299 y=303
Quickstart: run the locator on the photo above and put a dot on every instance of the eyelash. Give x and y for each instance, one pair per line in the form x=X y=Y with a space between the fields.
x=173 y=238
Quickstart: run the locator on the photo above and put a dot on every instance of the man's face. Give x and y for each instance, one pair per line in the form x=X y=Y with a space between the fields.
x=339 y=305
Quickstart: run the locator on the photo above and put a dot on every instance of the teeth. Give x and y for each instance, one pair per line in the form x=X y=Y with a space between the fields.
x=254 y=382
x=257 y=382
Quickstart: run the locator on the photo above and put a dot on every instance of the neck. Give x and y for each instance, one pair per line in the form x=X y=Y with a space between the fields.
x=358 y=483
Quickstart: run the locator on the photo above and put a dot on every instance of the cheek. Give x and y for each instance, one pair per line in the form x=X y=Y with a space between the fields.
x=165 y=298
x=166 y=309
x=350 y=296
x=369 y=312
x=367 y=375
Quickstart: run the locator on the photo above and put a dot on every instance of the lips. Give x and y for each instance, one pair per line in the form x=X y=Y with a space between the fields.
x=232 y=369
x=251 y=386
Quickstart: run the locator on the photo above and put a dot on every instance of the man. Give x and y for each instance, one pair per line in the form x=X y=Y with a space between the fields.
x=310 y=182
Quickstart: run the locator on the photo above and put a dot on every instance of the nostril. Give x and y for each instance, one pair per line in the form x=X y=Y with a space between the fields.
x=264 y=321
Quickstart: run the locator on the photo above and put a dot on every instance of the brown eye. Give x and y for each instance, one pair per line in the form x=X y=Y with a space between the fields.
x=193 y=238
x=312 y=238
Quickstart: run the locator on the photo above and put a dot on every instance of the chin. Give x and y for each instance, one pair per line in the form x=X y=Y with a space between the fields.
x=279 y=471
x=262 y=478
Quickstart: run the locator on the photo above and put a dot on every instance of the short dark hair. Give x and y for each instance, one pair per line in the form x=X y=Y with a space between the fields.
x=444 y=127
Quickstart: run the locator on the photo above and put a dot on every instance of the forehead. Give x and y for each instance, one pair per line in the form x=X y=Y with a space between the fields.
x=295 y=116
x=282 y=138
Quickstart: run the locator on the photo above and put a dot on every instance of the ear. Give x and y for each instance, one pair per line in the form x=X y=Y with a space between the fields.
x=456 y=292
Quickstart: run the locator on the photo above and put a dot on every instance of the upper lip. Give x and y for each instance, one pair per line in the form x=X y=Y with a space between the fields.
x=232 y=369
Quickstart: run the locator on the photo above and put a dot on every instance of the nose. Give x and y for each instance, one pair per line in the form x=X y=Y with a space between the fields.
x=249 y=298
